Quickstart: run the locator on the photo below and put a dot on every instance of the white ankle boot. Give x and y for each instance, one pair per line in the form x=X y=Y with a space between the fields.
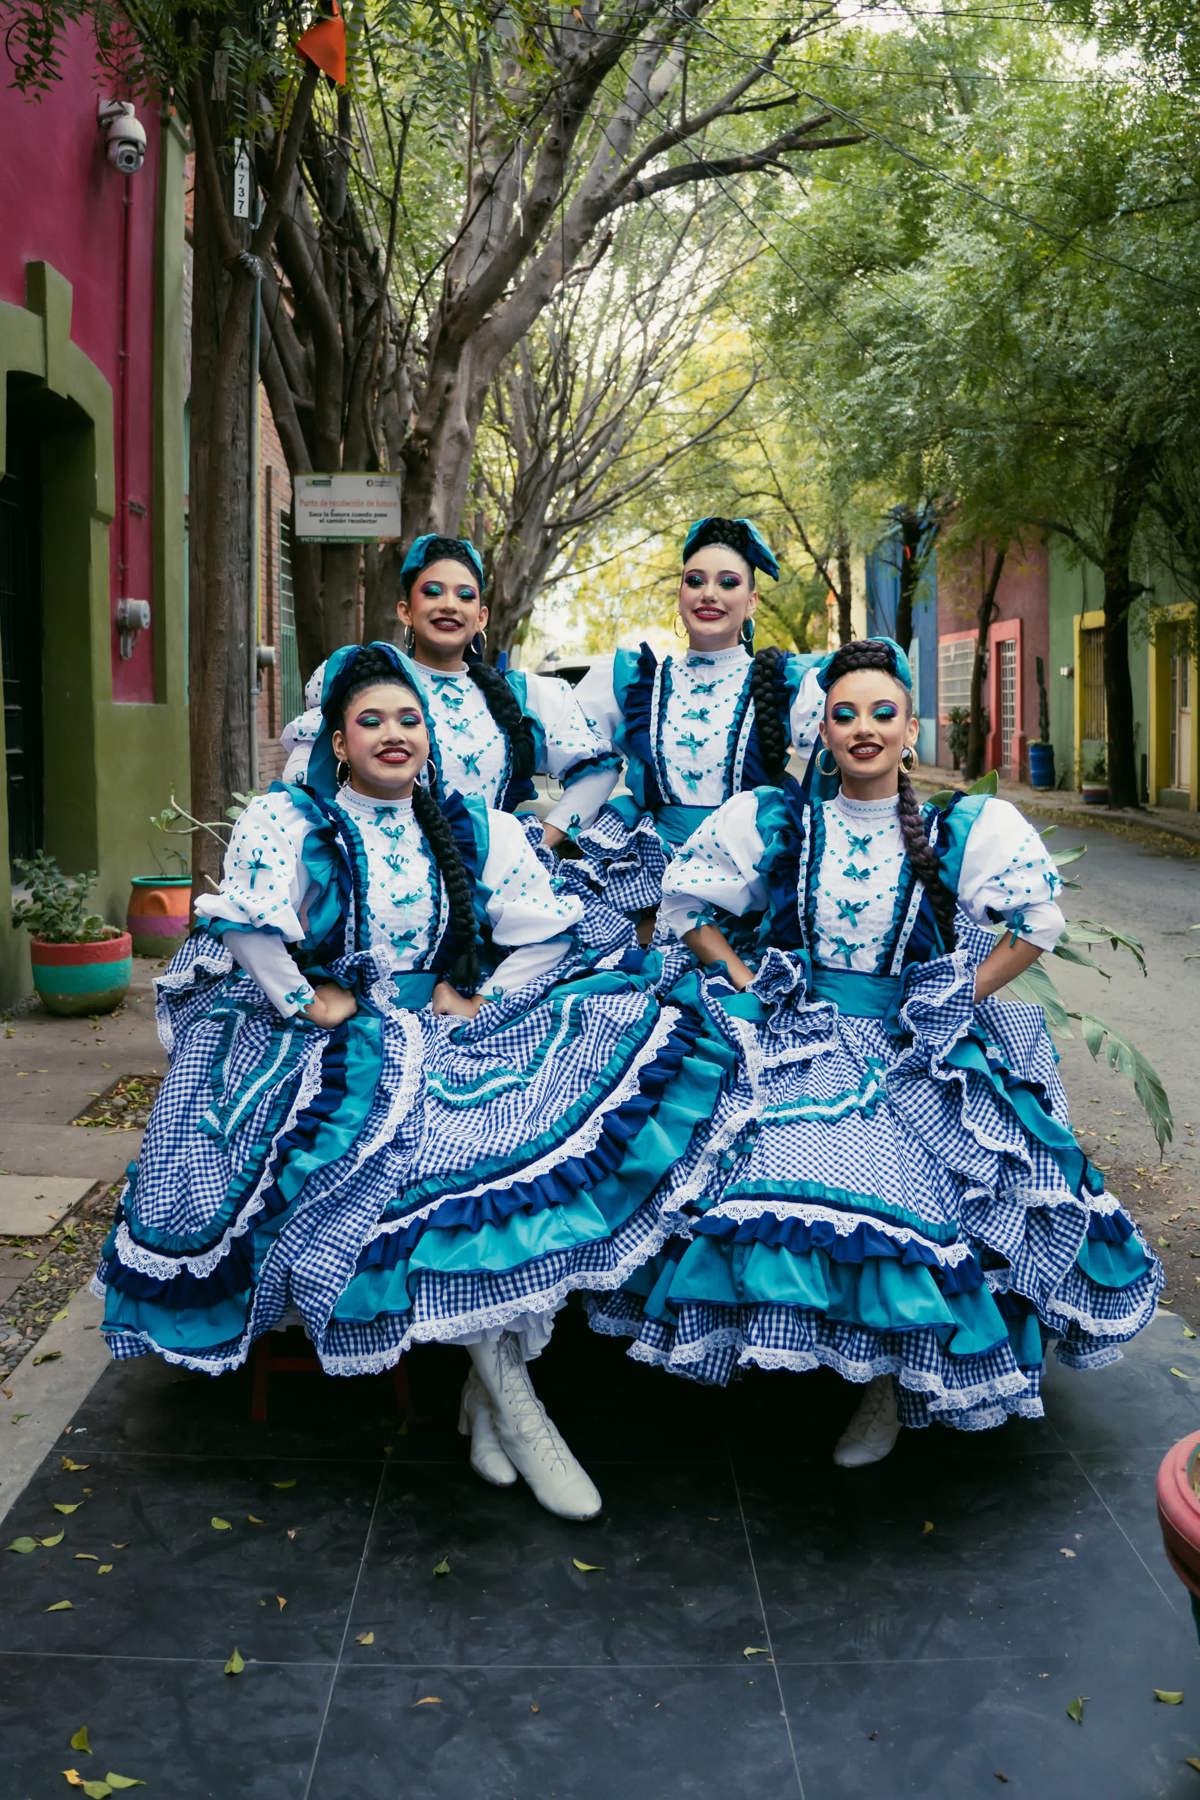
x=476 y=1421
x=526 y=1434
x=872 y=1432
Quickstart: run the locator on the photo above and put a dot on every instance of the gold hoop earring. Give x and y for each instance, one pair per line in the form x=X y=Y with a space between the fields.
x=909 y=759
x=675 y=624
x=410 y=640
x=342 y=773
x=822 y=753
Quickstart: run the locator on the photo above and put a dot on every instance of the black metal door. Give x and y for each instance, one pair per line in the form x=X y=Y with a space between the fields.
x=21 y=639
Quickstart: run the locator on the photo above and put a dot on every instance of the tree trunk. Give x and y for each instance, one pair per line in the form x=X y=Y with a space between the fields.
x=845 y=592
x=1120 y=591
x=381 y=590
x=219 y=543
x=913 y=554
x=973 y=768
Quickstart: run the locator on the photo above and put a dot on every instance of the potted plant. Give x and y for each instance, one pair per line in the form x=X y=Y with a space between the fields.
x=958 y=733
x=1041 y=754
x=1094 y=786
x=1179 y=1514
x=81 y=963
x=159 y=914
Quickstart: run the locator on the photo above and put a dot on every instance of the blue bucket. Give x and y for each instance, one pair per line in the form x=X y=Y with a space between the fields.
x=1041 y=765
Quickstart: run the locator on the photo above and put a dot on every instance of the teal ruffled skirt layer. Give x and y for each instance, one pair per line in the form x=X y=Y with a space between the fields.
x=894 y=1191
x=403 y=1177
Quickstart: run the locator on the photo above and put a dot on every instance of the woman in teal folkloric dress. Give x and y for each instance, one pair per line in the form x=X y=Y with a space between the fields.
x=403 y=1099
x=890 y=1187
x=693 y=728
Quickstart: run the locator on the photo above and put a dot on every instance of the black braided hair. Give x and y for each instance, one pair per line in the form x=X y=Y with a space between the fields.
x=505 y=709
x=441 y=549
x=731 y=534
x=871 y=653
x=773 y=737
x=371 y=668
x=464 y=972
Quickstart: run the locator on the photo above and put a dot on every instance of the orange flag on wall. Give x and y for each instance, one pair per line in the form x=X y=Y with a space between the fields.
x=325 y=44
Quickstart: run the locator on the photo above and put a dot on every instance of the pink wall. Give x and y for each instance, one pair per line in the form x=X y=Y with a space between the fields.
x=66 y=207
x=1023 y=594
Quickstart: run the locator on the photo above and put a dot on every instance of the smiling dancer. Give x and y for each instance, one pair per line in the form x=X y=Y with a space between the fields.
x=492 y=732
x=891 y=1188
x=693 y=728
x=398 y=1099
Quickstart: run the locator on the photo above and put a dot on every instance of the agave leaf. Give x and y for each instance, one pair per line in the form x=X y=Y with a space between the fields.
x=1069 y=856
x=1035 y=987
x=1126 y=1059
x=1070 y=954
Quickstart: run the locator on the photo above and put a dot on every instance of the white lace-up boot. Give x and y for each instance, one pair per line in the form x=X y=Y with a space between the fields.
x=477 y=1422
x=872 y=1432
x=527 y=1435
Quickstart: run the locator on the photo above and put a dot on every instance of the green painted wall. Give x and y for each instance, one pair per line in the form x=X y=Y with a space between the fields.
x=116 y=765
x=1076 y=587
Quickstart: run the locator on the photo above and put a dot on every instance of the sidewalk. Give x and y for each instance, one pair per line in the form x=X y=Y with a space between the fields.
x=1067 y=806
x=57 y=1180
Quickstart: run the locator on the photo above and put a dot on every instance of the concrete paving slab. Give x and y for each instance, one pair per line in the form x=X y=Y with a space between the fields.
x=31 y=1204
x=51 y=1384
x=67 y=1149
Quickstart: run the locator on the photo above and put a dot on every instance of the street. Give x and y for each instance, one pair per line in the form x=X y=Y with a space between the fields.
x=1154 y=896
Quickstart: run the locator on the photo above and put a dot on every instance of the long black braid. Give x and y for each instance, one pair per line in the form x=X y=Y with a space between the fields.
x=464 y=972
x=505 y=709
x=870 y=653
x=769 y=710
x=373 y=669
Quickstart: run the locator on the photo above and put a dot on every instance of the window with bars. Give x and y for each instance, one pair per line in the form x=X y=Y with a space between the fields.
x=291 y=684
x=1093 y=715
x=955 y=657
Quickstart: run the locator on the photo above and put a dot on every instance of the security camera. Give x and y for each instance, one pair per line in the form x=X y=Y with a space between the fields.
x=126 y=137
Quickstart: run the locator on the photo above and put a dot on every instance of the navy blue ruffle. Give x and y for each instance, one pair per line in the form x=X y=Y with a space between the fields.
x=639 y=704
x=864 y=1243
x=236 y=1270
x=561 y=1185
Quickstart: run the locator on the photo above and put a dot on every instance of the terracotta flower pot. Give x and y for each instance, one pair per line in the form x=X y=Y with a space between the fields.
x=159 y=915
x=82 y=978
x=1179 y=1515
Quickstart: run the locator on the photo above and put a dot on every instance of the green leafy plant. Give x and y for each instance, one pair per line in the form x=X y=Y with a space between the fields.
x=55 y=908
x=958 y=732
x=176 y=821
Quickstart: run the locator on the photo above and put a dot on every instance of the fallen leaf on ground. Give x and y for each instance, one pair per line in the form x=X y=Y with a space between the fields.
x=251 y=1520
x=290 y=1483
x=1193 y=1762
x=442 y=1568
x=280 y=1602
x=47 y=1356
x=365 y=1637
x=1000 y=1775
x=926 y=1528
x=17 y=1417
x=84 y=1556
x=220 y=1524
x=80 y=1740
x=1188 y=1332
x=123 y=1781
x=64 y=1506
x=72 y=1468
x=236 y=1663
x=105 y=1569
x=1168 y=1697
x=22 y=1545
x=534 y=1707
x=756 y=1650
x=60 y=1606
x=1070 y=1553
x=1180 y=1373
x=586 y=1568
x=49 y=1543
x=429 y=1700
x=1075 y=1709
x=123 y=1546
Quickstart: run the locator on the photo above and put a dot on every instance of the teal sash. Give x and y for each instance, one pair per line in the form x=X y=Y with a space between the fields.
x=859 y=995
x=413 y=988
x=674 y=823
